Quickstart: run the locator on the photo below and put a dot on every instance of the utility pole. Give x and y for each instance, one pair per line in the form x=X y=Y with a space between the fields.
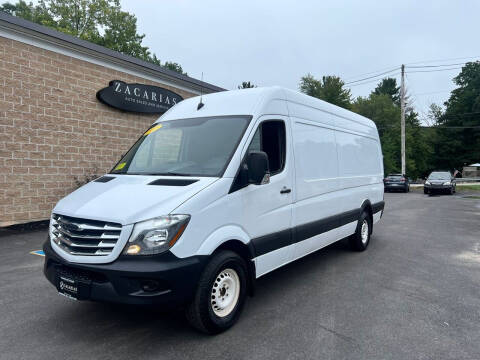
x=402 y=120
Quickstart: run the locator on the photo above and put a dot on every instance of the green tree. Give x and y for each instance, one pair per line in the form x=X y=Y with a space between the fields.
x=329 y=88
x=174 y=67
x=154 y=60
x=99 y=21
x=435 y=112
x=81 y=18
x=388 y=86
x=386 y=116
x=246 y=85
x=29 y=12
x=380 y=108
x=458 y=127
x=419 y=144
x=121 y=34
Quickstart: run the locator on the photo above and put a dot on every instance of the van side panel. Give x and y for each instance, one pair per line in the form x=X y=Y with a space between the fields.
x=360 y=173
x=338 y=167
x=358 y=160
x=316 y=181
x=315 y=159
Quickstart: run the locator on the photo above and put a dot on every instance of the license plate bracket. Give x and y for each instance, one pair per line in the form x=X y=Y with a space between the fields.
x=72 y=286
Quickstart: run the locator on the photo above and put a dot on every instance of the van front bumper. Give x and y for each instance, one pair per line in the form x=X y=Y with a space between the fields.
x=141 y=280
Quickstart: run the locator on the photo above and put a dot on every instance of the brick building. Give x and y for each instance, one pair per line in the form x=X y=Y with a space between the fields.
x=53 y=130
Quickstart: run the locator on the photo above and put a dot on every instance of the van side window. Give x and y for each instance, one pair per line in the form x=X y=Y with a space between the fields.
x=270 y=138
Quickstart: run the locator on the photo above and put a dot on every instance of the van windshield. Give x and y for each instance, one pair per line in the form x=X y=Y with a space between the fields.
x=187 y=147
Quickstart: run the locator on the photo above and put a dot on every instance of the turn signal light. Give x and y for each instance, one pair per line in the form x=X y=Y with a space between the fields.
x=133 y=249
x=177 y=235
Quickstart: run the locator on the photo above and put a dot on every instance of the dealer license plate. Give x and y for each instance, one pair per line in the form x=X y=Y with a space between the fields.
x=67 y=287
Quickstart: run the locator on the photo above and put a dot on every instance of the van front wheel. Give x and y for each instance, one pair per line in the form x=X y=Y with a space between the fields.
x=220 y=294
x=360 y=239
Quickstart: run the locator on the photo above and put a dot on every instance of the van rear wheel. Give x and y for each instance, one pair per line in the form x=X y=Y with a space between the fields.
x=220 y=294
x=361 y=238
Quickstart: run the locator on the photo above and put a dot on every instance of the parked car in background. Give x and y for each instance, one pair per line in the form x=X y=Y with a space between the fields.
x=440 y=181
x=396 y=182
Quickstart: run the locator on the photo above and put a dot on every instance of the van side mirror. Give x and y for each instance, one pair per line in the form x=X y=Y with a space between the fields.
x=258 y=170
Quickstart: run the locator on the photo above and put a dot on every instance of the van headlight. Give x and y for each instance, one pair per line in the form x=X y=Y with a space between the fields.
x=427 y=183
x=156 y=235
x=447 y=183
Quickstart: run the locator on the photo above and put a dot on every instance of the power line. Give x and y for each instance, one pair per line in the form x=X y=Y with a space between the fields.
x=408 y=65
x=374 y=78
x=371 y=72
x=432 y=92
x=371 y=77
x=372 y=81
x=434 y=66
x=449 y=127
x=467 y=114
x=420 y=71
x=425 y=118
x=455 y=117
x=441 y=60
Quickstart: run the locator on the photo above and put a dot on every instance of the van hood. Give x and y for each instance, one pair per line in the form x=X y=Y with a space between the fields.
x=128 y=199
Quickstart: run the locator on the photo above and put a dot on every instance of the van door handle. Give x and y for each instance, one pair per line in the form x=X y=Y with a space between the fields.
x=285 y=190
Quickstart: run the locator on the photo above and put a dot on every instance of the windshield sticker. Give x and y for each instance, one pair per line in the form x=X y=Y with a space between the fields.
x=152 y=130
x=120 y=166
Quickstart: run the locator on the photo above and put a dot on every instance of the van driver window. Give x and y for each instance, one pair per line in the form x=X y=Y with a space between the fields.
x=270 y=138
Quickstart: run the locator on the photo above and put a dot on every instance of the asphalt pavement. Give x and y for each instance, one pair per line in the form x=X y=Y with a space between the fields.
x=414 y=294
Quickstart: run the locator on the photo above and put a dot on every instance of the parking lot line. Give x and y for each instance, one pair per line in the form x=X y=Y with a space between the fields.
x=37 y=252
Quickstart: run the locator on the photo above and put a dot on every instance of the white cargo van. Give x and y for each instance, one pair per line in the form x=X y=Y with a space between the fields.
x=214 y=195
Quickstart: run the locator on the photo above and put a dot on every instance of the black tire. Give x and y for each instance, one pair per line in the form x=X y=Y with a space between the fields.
x=425 y=191
x=355 y=240
x=451 y=191
x=200 y=312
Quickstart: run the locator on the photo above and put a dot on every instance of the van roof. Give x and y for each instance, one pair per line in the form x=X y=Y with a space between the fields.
x=256 y=101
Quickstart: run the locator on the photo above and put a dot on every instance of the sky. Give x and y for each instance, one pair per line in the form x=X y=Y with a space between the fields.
x=277 y=42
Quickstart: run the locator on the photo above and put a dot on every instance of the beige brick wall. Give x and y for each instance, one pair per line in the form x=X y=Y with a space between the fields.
x=53 y=129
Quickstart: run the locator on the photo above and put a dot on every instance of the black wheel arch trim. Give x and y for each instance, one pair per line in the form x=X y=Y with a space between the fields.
x=379 y=206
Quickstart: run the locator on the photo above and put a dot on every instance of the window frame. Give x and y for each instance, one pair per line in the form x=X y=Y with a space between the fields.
x=282 y=146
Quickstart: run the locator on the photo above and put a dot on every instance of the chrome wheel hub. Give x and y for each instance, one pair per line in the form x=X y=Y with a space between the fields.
x=364 y=231
x=225 y=292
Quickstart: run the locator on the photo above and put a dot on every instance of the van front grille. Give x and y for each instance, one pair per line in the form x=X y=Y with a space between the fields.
x=84 y=237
